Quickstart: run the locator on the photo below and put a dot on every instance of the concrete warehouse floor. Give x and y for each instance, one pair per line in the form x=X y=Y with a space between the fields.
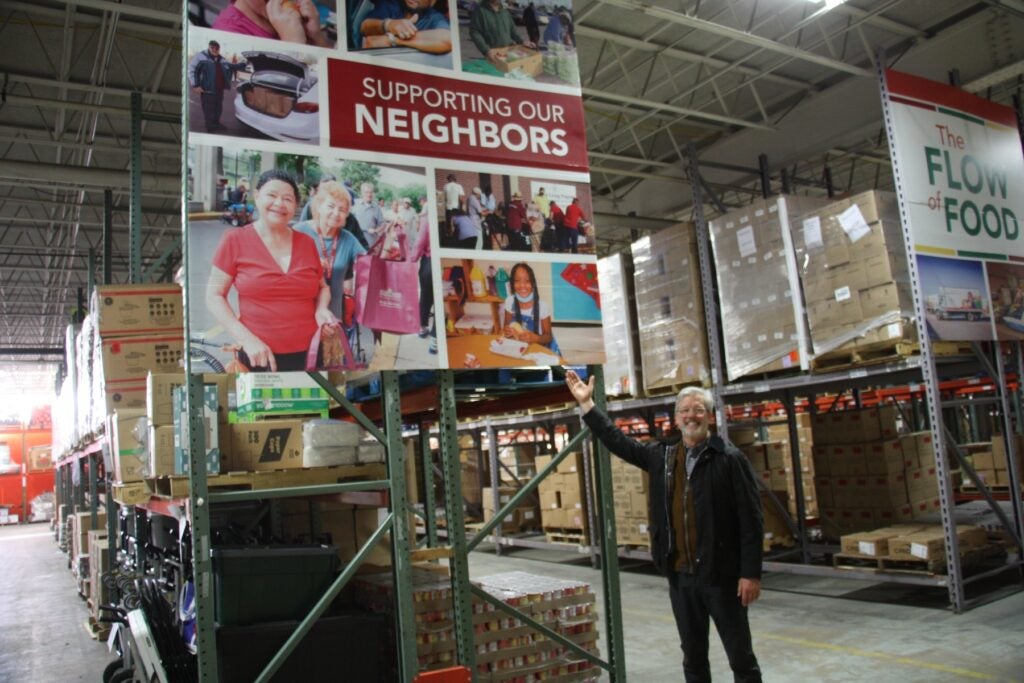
x=798 y=636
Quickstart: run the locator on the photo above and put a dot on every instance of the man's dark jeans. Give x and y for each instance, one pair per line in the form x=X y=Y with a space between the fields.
x=694 y=601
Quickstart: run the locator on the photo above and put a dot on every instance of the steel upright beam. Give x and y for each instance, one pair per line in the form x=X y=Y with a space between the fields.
x=928 y=372
x=710 y=307
x=798 y=478
x=462 y=601
x=766 y=177
x=427 y=466
x=405 y=617
x=94 y=502
x=199 y=509
x=494 y=469
x=609 y=543
x=135 y=191
x=108 y=235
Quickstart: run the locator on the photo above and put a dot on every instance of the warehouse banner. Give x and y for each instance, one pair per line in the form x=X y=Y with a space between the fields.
x=958 y=165
x=382 y=185
x=390 y=110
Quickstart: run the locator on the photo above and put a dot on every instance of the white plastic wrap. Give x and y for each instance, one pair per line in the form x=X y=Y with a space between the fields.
x=615 y=273
x=763 y=326
x=670 y=308
x=854 y=277
x=329 y=442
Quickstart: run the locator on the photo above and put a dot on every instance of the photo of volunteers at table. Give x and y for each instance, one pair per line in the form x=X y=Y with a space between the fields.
x=306 y=22
x=533 y=41
x=409 y=30
x=501 y=313
x=239 y=90
x=323 y=272
x=494 y=212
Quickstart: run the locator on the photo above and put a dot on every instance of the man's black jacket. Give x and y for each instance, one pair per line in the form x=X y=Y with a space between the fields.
x=730 y=527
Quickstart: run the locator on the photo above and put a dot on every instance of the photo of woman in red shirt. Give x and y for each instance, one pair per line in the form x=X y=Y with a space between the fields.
x=278 y=276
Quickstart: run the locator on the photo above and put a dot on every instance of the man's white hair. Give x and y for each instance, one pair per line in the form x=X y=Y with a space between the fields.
x=698 y=392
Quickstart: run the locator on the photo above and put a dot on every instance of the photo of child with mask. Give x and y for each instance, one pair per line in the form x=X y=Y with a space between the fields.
x=527 y=318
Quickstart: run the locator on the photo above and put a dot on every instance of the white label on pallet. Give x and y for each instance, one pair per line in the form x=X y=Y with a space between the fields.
x=919 y=550
x=745 y=241
x=842 y=294
x=854 y=224
x=866 y=548
x=812 y=232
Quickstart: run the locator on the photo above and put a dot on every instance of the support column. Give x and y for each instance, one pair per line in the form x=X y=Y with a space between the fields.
x=405 y=617
x=135 y=190
x=458 y=564
x=609 y=543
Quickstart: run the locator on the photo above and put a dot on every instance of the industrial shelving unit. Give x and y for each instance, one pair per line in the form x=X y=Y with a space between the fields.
x=918 y=370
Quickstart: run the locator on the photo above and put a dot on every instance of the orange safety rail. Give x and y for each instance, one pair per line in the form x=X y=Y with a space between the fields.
x=456 y=674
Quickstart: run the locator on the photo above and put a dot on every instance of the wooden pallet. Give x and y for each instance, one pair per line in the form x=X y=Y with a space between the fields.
x=565 y=535
x=96 y=630
x=878 y=353
x=178 y=487
x=673 y=389
x=935 y=566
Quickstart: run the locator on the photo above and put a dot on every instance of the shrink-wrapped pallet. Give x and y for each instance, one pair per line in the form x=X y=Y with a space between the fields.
x=763 y=326
x=670 y=309
x=615 y=273
x=854 y=275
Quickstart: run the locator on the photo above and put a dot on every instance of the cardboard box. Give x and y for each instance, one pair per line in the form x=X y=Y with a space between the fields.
x=159 y=395
x=550 y=500
x=505 y=494
x=267 y=445
x=124 y=394
x=143 y=309
x=129 y=431
x=572 y=499
x=132 y=358
x=525 y=59
x=875 y=543
x=776 y=455
x=885 y=457
x=161 y=451
x=275 y=394
x=922 y=483
x=211 y=426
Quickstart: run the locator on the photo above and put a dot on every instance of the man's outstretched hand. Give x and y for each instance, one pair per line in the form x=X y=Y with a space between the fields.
x=581 y=391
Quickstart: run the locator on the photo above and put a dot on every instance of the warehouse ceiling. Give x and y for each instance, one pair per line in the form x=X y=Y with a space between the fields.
x=789 y=82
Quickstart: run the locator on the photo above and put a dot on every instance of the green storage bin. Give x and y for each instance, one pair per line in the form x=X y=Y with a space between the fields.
x=259 y=584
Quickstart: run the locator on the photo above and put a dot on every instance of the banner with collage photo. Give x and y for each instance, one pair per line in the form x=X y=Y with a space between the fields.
x=958 y=163
x=387 y=184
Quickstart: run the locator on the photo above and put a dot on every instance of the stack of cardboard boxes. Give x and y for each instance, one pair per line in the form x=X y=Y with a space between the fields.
x=868 y=475
x=164 y=410
x=615 y=273
x=854 y=276
x=992 y=467
x=524 y=517
x=771 y=457
x=507 y=650
x=670 y=308
x=138 y=330
x=910 y=542
x=630 y=496
x=563 y=501
x=762 y=317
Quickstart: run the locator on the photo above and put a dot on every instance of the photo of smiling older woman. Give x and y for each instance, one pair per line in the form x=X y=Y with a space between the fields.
x=279 y=279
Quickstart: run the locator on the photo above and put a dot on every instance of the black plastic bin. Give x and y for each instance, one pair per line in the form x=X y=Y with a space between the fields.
x=261 y=584
x=347 y=647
